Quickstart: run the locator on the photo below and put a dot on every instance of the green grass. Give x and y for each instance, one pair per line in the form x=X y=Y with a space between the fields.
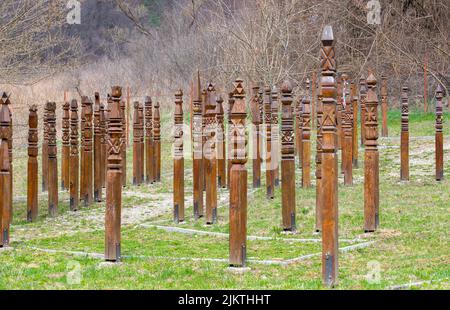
x=412 y=244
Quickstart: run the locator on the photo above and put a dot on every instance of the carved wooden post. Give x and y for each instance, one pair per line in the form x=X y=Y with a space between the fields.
x=384 y=105
x=439 y=143
x=97 y=150
x=74 y=156
x=32 y=193
x=52 y=160
x=5 y=170
x=340 y=91
x=149 y=140
x=256 y=121
x=313 y=99
x=275 y=137
x=329 y=161
x=270 y=177
x=11 y=165
x=178 y=160
x=103 y=149
x=82 y=186
x=299 y=126
x=319 y=141
x=347 y=124
x=65 y=154
x=362 y=102
x=371 y=158
x=137 y=158
x=287 y=159
x=198 y=151
x=142 y=141
x=404 y=136
x=124 y=145
x=306 y=142
x=114 y=178
x=44 y=155
x=230 y=107
x=238 y=184
x=298 y=139
x=210 y=156
x=204 y=161
x=157 y=142
x=221 y=145
x=355 y=144
x=87 y=157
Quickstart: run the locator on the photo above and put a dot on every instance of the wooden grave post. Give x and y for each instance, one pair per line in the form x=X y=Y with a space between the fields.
x=439 y=143
x=44 y=155
x=347 y=128
x=82 y=143
x=178 y=160
x=124 y=145
x=74 y=157
x=270 y=177
x=87 y=112
x=306 y=142
x=149 y=140
x=256 y=137
x=5 y=170
x=209 y=151
x=230 y=107
x=299 y=127
x=340 y=92
x=142 y=141
x=275 y=132
x=157 y=143
x=362 y=103
x=65 y=153
x=221 y=145
x=32 y=182
x=355 y=143
x=319 y=142
x=313 y=99
x=52 y=160
x=404 y=137
x=97 y=150
x=137 y=158
x=198 y=151
x=103 y=149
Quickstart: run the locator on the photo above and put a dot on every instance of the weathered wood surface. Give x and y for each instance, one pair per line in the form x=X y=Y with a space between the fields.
x=103 y=150
x=270 y=175
x=256 y=136
x=230 y=107
x=221 y=145
x=209 y=150
x=149 y=140
x=141 y=115
x=329 y=161
x=319 y=141
x=52 y=160
x=340 y=93
x=114 y=178
x=347 y=129
x=178 y=160
x=82 y=186
x=5 y=170
x=299 y=127
x=306 y=142
x=74 y=157
x=157 y=143
x=362 y=105
x=404 y=137
x=65 y=151
x=275 y=132
x=384 y=105
x=238 y=183
x=97 y=150
x=313 y=99
x=124 y=145
x=87 y=113
x=354 y=98
x=439 y=140
x=44 y=154
x=32 y=180
x=198 y=151
x=287 y=159
x=137 y=156
x=371 y=158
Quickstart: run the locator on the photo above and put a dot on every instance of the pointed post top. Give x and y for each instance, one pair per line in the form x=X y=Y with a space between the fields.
x=327 y=35
x=116 y=92
x=239 y=91
x=5 y=98
x=148 y=99
x=286 y=88
x=371 y=80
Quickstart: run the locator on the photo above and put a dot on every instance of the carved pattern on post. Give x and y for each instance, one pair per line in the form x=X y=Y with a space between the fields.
x=157 y=142
x=270 y=177
x=299 y=127
x=275 y=132
x=319 y=140
x=230 y=107
x=347 y=130
x=210 y=155
x=371 y=158
x=354 y=97
x=74 y=156
x=103 y=154
x=87 y=113
x=178 y=160
x=52 y=160
x=125 y=139
x=404 y=137
x=5 y=170
x=340 y=92
x=32 y=182
x=238 y=184
x=384 y=105
x=287 y=159
x=142 y=141
x=137 y=156
x=362 y=103
x=97 y=150
x=439 y=139
x=198 y=151
x=306 y=142
x=44 y=155
x=149 y=140
x=256 y=137
x=329 y=161
x=221 y=145
x=65 y=155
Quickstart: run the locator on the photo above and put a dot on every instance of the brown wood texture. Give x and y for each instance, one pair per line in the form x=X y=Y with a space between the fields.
x=87 y=193
x=178 y=160
x=197 y=151
x=210 y=155
x=157 y=142
x=5 y=170
x=221 y=145
x=141 y=115
x=204 y=161
x=354 y=97
x=306 y=142
x=230 y=107
x=384 y=106
x=149 y=140
x=137 y=156
x=32 y=181
x=287 y=158
x=52 y=160
x=319 y=141
x=270 y=177
x=74 y=157
x=97 y=150
x=347 y=130
x=340 y=92
x=299 y=127
x=298 y=139
x=362 y=105
x=113 y=178
x=329 y=161
x=275 y=133
x=44 y=155
x=124 y=145
x=404 y=137
x=238 y=184
x=371 y=158
x=103 y=148
x=65 y=151
x=439 y=140
x=256 y=136
x=82 y=164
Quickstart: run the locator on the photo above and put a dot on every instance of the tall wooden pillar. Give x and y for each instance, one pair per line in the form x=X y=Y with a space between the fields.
x=319 y=141
x=221 y=145
x=210 y=155
x=230 y=107
x=256 y=137
x=103 y=148
x=142 y=141
x=114 y=178
x=404 y=137
x=178 y=160
x=275 y=137
x=329 y=161
x=124 y=145
x=355 y=143
x=238 y=184
x=65 y=153
x=340 y=92
x=306 y=142
x=32 y=182
x=74 y=157
x=157 y=142
x=52 y=160
x=384 y=105
x=270 y=177
x=149 y=140
x=198 y=151
x=82 y=153
x=298 y=139
x=439 y=143
x=204 y=161
x=313 y=99
x=88 y=153
x=44 y=155
x=97 y=150
x=299 y=126
x=137 y=157
x=347 y=130
x=371 y=158
x=5 y=170
x=287 y=159
x=362 y=103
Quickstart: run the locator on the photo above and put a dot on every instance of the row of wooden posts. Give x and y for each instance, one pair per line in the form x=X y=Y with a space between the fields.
x=103 y=153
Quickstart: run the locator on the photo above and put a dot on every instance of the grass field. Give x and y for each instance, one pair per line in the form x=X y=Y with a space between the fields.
x=410 y=250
